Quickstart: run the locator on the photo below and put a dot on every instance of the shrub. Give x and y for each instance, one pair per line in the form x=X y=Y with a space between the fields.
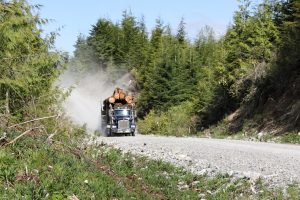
x=178 y=120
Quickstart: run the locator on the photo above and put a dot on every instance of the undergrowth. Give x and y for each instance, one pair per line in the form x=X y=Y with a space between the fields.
x=293 y=137
x=178 y=121
x=250 y=132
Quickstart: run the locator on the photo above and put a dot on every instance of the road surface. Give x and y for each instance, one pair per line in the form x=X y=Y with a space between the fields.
x=277 y=164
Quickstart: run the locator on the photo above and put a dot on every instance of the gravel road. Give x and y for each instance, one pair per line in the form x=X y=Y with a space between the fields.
x=277 y=164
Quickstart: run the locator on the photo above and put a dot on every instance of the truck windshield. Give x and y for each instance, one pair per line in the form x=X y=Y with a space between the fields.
x=122 y=112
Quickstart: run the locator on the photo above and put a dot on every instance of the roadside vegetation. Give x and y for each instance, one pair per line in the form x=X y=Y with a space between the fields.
x=249 y=132
x=249 y=74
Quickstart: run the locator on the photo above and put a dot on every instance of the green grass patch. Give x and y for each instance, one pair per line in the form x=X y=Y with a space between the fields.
x=293 y=137
x=37 y=170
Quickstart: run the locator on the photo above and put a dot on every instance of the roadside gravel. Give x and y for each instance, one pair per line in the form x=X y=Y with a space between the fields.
x=277 y=164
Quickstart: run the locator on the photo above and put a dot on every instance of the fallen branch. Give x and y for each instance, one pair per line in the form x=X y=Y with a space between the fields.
x=33 y=120
x=24 y=133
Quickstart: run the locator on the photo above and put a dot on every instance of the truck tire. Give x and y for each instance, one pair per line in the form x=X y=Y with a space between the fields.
x=103 y=125
x=108 y=133
x=132 y=133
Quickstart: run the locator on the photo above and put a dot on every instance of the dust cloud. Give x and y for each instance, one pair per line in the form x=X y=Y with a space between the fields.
x=87 y=92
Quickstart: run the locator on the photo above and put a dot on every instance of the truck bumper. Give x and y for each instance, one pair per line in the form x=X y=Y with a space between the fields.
x=120 y=131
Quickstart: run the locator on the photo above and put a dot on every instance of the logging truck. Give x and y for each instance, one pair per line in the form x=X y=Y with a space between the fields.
x=118 y=114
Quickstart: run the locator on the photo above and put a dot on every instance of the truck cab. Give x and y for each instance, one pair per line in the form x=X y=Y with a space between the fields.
x=119 y=121
x=123 y=121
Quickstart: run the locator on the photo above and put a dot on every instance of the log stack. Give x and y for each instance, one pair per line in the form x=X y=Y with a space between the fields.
x=120 y=97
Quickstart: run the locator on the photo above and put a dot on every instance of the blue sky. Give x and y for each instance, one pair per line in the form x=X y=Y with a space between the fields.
x=73 y=17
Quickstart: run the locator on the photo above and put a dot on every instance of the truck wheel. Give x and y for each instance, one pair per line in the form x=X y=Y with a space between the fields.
x=133 y=134
x=108 y=133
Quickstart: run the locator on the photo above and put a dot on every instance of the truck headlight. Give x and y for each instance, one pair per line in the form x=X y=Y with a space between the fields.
x=114 y=126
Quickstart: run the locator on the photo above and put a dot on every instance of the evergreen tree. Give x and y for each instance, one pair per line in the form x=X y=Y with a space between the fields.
x=150 y=70
x=130 y=32
x=83 y=54
x=27 y=68
x=106 y=40
x=211 y=102
x=181 y=34
x=251 y=40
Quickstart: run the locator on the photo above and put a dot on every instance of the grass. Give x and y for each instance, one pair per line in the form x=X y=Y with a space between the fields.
x=293 y=137
x=36 y=169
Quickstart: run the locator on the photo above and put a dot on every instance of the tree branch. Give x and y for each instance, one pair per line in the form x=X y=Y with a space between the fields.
x=24 y=133
x=33 y=120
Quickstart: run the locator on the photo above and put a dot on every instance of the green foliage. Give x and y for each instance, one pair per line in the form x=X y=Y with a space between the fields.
x=34 y=169
x=27 y=67
x=287 y=61
x=84 y=54
x=181 y=34
x=178 y=120
x=252 y=39
x=124 y=43
x=293 y=137
x=211 y=100
x=153 y=123
x=171 y=75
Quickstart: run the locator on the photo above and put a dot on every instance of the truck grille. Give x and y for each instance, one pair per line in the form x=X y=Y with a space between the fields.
x=123 y=124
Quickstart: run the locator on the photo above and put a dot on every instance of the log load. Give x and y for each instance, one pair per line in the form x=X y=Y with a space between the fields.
x=111 y=100
x=119 y=94
x=119 y=97
x=129 y=99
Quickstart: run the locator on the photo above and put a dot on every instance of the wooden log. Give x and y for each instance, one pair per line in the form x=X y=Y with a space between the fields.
x=111 y=100
x=116 y=90
x=122 y=95
x=117 y=96
x=129 y=99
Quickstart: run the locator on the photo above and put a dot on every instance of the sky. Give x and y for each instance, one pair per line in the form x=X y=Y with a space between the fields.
x=74 y=17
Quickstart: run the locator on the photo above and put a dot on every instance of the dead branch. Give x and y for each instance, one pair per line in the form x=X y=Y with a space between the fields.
x=73 y=197
x=33 y=120
x=7 y=111
x=24 y=133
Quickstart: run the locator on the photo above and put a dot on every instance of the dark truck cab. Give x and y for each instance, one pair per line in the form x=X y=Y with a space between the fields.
x=118 y=121
x=123 y=121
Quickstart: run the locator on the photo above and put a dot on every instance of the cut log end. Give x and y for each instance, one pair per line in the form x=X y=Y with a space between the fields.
x=111 y=100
